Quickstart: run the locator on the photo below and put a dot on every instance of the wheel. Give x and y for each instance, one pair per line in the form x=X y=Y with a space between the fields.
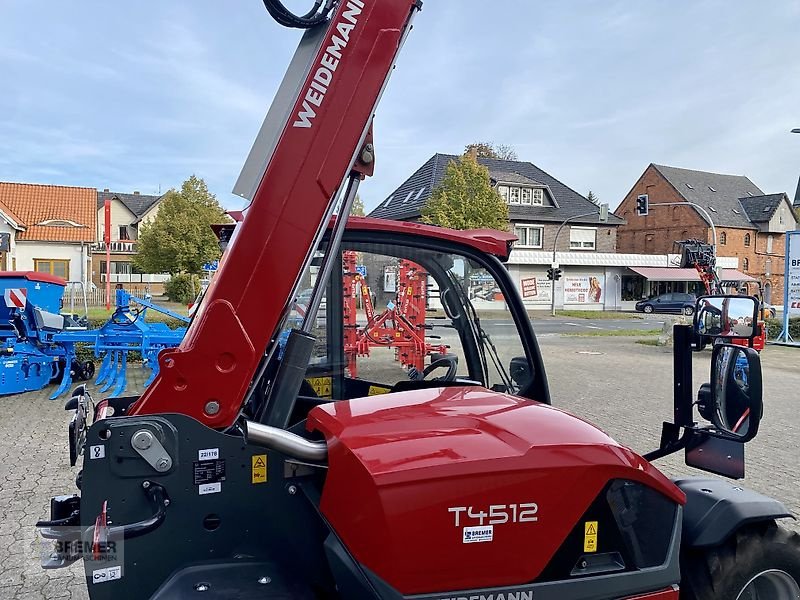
x=758 y=563
x=648 y=308
x=88 y=370
x=688 y=310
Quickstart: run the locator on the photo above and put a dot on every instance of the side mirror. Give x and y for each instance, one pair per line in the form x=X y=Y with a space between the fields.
x=726 y=316
x=520 y=371
x=736 y=391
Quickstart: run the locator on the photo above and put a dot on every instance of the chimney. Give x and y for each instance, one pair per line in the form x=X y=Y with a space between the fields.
x=105 y=189
x=135 y=192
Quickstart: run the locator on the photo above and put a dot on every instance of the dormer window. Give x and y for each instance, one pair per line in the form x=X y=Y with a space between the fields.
x=521 y=196
x=60 y=223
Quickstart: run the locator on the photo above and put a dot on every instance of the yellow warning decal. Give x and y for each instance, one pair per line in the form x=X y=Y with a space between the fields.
x=260 y=468
x=590 y=536
x=321 y=385
x=377 y=390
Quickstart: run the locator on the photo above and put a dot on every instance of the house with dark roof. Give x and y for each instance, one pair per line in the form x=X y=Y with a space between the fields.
x=537 y=205
x=750 y=224
x=127 y=212
x=47 y=228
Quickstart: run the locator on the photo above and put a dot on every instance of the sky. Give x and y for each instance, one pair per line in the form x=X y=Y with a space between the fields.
x=140 y=95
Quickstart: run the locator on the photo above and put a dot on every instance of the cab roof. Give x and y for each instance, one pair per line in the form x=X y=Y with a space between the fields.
x=489 y=241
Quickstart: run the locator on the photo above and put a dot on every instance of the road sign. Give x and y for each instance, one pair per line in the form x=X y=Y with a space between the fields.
x=211 y=266
x=361 y=270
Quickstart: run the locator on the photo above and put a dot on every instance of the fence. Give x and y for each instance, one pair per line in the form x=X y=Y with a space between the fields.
x=97 y=296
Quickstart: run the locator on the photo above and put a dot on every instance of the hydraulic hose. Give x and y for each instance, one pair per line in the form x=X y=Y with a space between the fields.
x=313 y=17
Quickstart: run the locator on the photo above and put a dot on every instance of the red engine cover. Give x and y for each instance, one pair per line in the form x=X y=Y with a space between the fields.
x=403 y=466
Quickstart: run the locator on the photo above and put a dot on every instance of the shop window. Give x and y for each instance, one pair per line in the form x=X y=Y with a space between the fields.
x=632 y=288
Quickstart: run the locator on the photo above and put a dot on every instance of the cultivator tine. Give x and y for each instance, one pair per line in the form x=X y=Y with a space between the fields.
x=152 y=362
x=104 y=369
x=66 y=381
x=112 y=373
x=121 y=375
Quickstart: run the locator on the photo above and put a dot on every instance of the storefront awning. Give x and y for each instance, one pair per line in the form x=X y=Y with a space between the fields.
x=676 y=274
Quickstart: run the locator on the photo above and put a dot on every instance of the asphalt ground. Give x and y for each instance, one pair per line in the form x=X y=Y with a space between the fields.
x=623 y=387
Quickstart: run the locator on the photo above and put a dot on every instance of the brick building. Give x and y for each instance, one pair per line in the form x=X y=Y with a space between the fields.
x=750 y=224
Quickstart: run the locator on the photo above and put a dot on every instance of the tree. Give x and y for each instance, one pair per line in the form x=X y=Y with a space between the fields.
x=591 y=197
x=179 y=239
x=357 y=210
x=491 y=150
x=466 y=199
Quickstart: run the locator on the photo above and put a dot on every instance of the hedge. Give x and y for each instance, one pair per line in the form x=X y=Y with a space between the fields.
x=775 y=326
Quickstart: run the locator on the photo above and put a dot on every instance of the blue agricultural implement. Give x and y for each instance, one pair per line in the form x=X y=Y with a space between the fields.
x=29 y=318
x=39 y=344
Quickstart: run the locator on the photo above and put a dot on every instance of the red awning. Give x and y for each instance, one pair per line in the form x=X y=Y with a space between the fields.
x=676 y=274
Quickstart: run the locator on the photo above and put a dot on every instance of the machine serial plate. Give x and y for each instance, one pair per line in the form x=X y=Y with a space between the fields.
x=209 y=471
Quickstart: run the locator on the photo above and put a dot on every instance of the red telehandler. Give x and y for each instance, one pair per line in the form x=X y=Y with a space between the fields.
x=230 y=477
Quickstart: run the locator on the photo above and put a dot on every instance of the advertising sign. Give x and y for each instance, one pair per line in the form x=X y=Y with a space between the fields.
x=793 y=273
x=583 y=289
x=536 y=289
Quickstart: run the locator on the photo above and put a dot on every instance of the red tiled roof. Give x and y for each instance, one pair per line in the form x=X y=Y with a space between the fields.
x=32 y=204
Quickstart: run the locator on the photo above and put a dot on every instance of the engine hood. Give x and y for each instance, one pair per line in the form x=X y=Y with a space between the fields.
x=402 y=465
x=396 y=436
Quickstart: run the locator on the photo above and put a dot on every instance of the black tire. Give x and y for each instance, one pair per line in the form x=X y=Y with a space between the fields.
x=648 y=308
x=88 y=370
x=688 y=310
x=724 y=572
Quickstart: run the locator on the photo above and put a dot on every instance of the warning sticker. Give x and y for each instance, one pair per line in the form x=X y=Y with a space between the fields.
x=377 y=390
x=209 y=471
x=321 y=385
x=590 y=536
x=259 y=468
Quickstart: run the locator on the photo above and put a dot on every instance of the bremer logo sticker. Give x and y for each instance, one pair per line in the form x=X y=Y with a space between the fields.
x=326 y=68
x=474 y=535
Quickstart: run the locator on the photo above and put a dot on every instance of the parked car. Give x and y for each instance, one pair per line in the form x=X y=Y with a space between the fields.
x=668 y=303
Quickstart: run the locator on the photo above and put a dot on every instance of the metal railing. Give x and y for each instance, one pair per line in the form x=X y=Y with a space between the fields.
x=117 y=246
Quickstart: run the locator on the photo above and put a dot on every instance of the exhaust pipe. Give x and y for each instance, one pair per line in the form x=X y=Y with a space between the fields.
x=286 y=442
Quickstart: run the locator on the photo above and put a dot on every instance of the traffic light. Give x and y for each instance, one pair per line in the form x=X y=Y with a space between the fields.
x=642 y=205
x=550 y=273
x=557 y=274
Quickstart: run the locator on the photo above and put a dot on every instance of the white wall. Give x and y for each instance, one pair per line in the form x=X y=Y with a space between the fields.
x=120 y=215
x=782 y=213
x=150 y=214
x=77 y=256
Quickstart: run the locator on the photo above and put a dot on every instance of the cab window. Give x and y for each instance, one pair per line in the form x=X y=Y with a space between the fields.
x=398 y=318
